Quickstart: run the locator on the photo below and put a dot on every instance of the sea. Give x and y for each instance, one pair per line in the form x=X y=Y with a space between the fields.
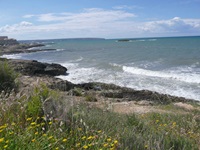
x=168 y=65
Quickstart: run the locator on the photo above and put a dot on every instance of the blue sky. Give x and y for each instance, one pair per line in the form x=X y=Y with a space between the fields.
x=47 y=19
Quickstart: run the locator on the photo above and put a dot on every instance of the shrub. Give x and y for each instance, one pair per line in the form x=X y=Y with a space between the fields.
x=77 y=92
x=35 y=102
x=90 y=98
x=7 y=77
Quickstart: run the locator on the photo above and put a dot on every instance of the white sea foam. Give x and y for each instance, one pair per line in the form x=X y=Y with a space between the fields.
x=58 y=50
x=135 y=81
x=79 y=59
x=82 y=75
x=12 y=56
x=184 y=77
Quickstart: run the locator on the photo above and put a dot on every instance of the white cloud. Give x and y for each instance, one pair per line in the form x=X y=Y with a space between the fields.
x=127 y=7
x=16 y=27
x=95 y=22
x=87 y=15
x=174 y=25
x=28 y=16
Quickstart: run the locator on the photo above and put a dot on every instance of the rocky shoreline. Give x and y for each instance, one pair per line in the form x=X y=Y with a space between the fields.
x=34 y=72
x=47 y=72
x=22 y=48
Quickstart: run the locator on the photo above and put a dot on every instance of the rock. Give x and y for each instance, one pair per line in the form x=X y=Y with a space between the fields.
x=62 y=85
x=33 y=67
x=55 y=69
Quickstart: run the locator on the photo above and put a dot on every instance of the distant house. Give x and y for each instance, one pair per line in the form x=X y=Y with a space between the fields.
x=5 y=41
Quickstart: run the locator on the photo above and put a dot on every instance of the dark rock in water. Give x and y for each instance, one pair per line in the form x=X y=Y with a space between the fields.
x=33 y=67
x=123 y=40
x=55 y=69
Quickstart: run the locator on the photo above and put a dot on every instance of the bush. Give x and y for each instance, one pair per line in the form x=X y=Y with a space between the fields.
x=90 y=98
x=7 y=78
x=77 y=92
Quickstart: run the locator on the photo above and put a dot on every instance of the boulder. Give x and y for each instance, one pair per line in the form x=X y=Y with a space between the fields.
x=33 y=67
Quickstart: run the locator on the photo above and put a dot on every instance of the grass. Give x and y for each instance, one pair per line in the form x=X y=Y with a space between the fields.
x=7 y=77
x=24 y=126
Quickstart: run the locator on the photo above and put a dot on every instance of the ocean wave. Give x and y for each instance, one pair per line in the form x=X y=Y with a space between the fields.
x=144 y=40
x=11 y=56
x=183 y=77
x=116 y=66
x=58 y=50
x=83 y=75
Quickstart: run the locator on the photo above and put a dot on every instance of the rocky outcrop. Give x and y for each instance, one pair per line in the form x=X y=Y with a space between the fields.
x=46 y=72
x=119 y=93
x=23 y=48
x=33 y=67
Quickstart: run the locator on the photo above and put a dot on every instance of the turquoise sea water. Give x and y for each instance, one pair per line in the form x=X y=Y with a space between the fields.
x=166 y=65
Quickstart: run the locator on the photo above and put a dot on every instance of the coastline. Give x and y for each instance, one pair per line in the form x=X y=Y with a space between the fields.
x=47 y=72
x=22 y=48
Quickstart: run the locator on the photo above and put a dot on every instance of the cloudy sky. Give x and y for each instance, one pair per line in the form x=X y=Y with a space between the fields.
x=47 y=19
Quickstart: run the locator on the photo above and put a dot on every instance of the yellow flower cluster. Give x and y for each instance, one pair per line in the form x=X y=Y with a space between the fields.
x=57 y=137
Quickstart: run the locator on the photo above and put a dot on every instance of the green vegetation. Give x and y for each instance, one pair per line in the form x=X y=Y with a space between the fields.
x=77 y=92
x=24 y=126
x=90 y=98
x=7 y=78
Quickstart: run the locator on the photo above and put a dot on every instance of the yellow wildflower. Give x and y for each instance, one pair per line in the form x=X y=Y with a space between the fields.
x=28 y=119
x=1 y=130
x=51 y=137
x=85 y=146
x=7 y=141
x=1 y=140
x=11 y=132
x=83 y=138
x=90 y=137
x=99 y=131
x=44 y=134
x=78 y=144
x=115 y=142
x=146 y=146
x=3 y=127
x=105 y=145
x=42 y=124
x=36 y=133
x=13 y=124
x=50 y=123
x=57 y=148
x=109 y=139
x=5 y=146
x=33 y=140
x=33 y=123
x=64 y=140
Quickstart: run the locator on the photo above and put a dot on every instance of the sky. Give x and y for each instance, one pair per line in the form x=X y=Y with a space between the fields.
x=51 y=19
